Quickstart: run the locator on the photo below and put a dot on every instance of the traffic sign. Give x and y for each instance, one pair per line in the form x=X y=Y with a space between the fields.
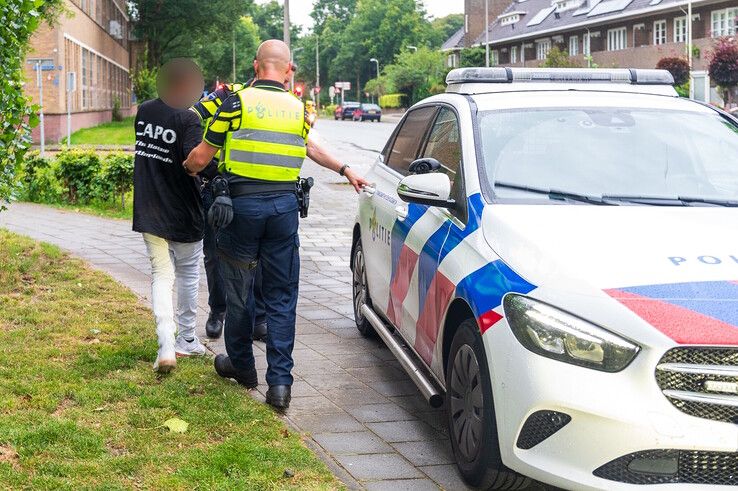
x=317 y=89
x=343 y=85
x=331 y=92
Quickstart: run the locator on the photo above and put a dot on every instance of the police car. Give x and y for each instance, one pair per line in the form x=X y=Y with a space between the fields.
x=552 y=254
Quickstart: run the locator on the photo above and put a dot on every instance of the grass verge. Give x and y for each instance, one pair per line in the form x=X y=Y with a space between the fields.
x=80 y=407
x=113 y=133
x=105 y=210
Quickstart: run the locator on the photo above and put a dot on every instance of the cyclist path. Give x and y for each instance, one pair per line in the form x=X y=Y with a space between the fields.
x=351 y=399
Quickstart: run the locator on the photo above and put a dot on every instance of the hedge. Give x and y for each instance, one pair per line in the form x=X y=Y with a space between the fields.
x=79 y=177
x=392 y=101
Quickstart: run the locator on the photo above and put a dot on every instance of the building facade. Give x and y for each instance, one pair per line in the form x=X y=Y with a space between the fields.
x=608 y=33
x=89 y=44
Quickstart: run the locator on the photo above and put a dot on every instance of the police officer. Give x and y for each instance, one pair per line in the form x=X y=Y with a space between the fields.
x=205 y=110
x=263 y=133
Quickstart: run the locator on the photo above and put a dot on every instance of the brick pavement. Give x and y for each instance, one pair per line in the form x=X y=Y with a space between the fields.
x=351 y=397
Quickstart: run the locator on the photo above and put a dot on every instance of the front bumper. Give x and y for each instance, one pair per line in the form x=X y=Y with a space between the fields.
x=612 y=415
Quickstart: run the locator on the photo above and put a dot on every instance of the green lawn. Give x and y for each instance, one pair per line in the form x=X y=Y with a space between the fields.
x=81 y=408
x=115 y=133
x=105 y=210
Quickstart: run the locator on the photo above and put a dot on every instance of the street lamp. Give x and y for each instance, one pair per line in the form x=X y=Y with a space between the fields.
x=486 y=33
x=414 y=48
x=374 y=60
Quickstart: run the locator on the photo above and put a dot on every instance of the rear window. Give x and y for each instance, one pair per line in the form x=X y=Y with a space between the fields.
x=370 y=107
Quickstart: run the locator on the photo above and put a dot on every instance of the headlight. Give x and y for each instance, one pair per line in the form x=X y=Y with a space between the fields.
x=553 y=333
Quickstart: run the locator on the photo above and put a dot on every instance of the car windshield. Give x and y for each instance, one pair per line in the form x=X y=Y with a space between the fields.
x=645 y=156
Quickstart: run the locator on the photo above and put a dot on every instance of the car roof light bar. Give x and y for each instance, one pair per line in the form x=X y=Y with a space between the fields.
x=633 y=76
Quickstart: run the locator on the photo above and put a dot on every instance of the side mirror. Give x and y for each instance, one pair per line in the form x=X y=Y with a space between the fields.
x=424 y=166
x=427 y=189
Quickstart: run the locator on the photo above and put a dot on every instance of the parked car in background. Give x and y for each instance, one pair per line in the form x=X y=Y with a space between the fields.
x=346 y=110
x=371 y=112
x=553 y=251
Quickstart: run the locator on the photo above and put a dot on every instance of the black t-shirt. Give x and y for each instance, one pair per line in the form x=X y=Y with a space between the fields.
x=166 y=200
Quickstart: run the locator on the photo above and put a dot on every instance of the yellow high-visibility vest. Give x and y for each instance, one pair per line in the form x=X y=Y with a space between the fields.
x=270 y=144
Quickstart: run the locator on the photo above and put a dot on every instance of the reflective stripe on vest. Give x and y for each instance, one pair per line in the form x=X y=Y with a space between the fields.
x=270 y=145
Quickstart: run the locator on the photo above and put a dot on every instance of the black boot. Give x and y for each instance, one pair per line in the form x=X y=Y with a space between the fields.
x=225 y=369
x=214 y=325
x=260 y=331
x=279 y=396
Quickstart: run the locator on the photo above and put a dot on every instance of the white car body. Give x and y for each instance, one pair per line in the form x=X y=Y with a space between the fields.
x=662 y=277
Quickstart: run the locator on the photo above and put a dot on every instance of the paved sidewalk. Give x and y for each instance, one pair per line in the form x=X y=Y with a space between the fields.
x=350 y=395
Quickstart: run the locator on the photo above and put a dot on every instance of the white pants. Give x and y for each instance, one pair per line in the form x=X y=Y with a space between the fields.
x=170 y=262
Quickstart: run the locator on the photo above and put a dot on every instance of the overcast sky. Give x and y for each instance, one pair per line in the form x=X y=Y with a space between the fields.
x=300 y=9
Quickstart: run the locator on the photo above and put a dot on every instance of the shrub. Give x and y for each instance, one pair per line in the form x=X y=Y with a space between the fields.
x=117 y=174
x=329 y=110
x=38 y=179
x=723 y=65
x=117 y=115
x=144 y=84
x=76 y=170
x=559 y=58
x=678 y=67
x=392 y=101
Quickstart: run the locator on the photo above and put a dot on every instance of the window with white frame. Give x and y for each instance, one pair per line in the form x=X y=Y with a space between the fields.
x=509 y=19
x=586 y=44
x=573 y=45
x=617 y=39
x=494 y=57
x=514 y=54
x=659 y=32
x=542 y=49
x=723 y=22
x=680 y=30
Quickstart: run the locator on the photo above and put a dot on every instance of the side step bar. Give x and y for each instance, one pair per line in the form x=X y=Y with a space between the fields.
x=413 y=369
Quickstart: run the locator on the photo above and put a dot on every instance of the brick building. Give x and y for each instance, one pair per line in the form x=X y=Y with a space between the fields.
x=605 y=33
x=91 y=41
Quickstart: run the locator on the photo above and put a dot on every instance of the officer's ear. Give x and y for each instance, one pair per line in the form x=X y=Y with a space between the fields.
x=256 y=68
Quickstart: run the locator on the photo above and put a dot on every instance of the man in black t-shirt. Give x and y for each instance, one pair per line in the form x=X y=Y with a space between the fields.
x=167 y=210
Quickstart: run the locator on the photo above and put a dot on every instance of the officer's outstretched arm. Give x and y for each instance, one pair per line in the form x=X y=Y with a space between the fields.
x=320 y=156
x=199 y=157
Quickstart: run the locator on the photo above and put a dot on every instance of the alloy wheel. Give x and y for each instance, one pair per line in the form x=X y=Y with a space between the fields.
x=466 y=403
x=359 y=284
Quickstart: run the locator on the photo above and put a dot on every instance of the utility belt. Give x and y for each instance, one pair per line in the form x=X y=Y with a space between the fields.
x=301 y=188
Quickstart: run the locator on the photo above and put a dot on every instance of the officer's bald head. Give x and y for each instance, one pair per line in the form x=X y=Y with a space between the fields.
x=273 y=61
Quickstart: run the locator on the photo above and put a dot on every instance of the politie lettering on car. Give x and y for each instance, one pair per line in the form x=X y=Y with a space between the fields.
x=551 y=252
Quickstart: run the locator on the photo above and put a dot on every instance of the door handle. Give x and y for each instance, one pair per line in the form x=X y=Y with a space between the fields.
x=401 y=212
x=369 y=190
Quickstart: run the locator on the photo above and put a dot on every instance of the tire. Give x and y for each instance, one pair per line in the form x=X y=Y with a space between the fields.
x=360 y=290
x=379 y=120
x=472 y=426
x=335 y=117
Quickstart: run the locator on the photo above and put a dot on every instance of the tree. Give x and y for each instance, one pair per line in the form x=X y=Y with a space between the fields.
x=472 y=57
x=17 y=116
x=269 y=17
x=327 y=10
x=215 y=55
x=417 y=74
x=723 y=66
x=678 y=67
x=444 y=27
x=171 y=28
x=559 y=58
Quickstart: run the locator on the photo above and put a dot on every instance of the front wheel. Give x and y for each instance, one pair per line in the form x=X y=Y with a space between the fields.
x=472 y=426
x=360 y=290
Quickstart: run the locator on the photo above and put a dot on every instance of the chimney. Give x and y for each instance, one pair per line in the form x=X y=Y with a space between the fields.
x=474 y=22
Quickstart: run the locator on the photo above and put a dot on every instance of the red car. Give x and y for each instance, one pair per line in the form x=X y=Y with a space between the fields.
x=371 y=112
x=346 y=110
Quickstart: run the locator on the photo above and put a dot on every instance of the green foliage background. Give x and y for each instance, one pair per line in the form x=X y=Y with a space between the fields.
x=20 y=18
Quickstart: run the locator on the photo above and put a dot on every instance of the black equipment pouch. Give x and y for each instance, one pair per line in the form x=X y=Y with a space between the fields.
x=219 y=186
x=303 y=194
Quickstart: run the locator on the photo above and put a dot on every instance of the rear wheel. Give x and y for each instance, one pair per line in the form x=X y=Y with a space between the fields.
x=360 y=290
x=472 y=425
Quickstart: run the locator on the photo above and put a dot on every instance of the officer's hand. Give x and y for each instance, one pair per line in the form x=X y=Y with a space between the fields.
x=355 y=179
x=221 y=212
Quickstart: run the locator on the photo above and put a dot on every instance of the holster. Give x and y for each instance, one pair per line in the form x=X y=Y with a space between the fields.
x=303 y=194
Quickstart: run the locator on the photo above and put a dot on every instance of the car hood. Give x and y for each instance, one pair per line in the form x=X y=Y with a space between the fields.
x=674 y=267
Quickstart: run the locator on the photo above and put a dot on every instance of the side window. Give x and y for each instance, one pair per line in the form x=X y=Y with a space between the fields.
x=444 y=143
x=409 y=137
